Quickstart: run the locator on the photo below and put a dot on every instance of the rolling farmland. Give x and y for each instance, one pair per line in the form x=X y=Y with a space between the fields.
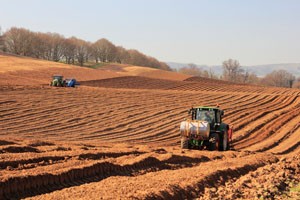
x=117 y=136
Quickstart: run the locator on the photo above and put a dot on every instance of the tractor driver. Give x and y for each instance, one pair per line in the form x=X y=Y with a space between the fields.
x=207 y=117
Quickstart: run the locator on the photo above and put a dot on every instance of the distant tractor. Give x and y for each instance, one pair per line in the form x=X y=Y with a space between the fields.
x=205 y=130
x=58 y=81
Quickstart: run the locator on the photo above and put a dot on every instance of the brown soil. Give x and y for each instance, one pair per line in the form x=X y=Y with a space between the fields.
x=129 y=70
x=117 y=137
x=267 y=182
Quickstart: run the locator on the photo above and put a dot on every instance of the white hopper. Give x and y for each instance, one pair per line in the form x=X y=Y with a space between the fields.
x=199 y=128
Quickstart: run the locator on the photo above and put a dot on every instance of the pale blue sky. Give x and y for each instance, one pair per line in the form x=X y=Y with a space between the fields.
x=199 y=31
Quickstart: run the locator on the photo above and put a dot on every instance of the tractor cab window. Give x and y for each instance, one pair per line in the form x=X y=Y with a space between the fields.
x=206 y=115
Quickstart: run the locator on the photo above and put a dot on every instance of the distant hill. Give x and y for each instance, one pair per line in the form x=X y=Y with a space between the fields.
x=20 y=70
x=260 y=70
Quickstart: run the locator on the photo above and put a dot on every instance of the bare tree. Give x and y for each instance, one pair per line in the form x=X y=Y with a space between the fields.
x=191 y=69
x=279 y=78
x=39 y=49
x=81 y=50
x=212 y=74
x=297 y=83
x=122 y=55
x=135 y=57
x=95 y=52
x=69 y=50
x=104 y=50
x=55 y=46
x=1 y=40
x=251 y=78
x=164 y=66
x=232 y=70
x=19 y=41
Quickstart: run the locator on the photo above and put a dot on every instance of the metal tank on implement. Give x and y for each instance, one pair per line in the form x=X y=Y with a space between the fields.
x=197 y=129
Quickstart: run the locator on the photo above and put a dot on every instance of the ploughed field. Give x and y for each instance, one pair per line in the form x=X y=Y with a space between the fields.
x=117 y=137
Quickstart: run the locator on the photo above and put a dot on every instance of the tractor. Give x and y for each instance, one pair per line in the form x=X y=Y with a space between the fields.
x=205 y=130
x=58 y=81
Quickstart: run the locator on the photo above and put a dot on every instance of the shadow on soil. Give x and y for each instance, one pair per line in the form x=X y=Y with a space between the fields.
x=22 y=187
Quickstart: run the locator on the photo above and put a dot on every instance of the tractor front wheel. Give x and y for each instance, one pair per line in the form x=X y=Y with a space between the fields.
x=214 y=142
x=184 y=143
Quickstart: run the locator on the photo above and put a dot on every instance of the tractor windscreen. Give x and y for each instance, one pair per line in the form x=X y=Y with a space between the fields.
x=57 y=77
x=206 y=115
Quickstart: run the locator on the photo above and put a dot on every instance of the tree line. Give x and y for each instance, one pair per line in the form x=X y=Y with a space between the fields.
x=234 y=72
x=55 y=47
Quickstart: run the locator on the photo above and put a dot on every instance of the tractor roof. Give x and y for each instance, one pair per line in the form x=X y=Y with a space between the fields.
x=207 y=107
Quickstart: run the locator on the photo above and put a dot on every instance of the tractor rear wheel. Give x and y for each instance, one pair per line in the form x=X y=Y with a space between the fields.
x=224 y=143
x=184 y=143
x=214 y=142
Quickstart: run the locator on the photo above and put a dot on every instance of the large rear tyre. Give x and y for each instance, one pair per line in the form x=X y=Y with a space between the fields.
x=224 y=143
x=184 y=143
x=214 y=142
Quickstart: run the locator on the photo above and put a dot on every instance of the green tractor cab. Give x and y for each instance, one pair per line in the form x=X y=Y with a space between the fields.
x=58 y=81
x=205 y=130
